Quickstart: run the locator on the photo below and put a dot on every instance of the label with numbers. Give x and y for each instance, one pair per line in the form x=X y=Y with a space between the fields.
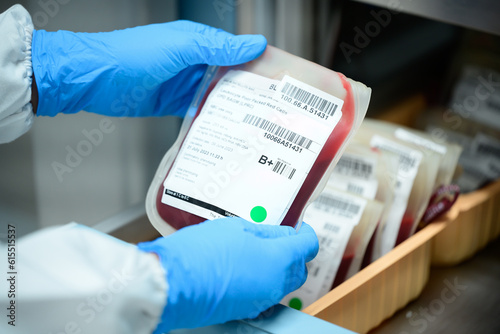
x=409 y=162
x=409 y=137
x=250 y=148
x=333 y=216
x=355 y=173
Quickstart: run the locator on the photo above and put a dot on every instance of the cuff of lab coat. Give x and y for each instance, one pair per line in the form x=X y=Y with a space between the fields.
x=16 y=111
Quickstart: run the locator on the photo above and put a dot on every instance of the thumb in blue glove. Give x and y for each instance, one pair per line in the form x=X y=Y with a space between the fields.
x=229 y=269
x=151 y=70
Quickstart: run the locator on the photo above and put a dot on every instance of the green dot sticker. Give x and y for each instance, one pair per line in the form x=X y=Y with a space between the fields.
x=295 y=303
x=258 y=214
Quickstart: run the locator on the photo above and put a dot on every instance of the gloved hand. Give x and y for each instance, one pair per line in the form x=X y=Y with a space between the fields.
x=229 y=269
x=150 y=70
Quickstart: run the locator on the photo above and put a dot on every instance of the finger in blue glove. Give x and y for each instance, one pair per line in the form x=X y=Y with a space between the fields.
x=229 y=269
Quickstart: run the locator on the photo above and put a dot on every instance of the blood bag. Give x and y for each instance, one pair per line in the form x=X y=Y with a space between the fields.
x=344 y=224
x=258 y=142
x=415 y=179
x=447 y=153
x=368 y=172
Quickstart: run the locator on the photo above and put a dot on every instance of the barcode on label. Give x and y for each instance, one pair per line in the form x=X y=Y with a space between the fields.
x=391 y=148
x=277 y=130
x=336 y=203
x=355 y=167
x=309 y=98
x=353 y=188
x=407 y=161
x=313 y=268
x=314 y=272
x=324 y=241
x=284 y=169
x=331 y=228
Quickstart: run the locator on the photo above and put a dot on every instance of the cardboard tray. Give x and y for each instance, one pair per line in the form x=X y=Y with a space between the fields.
x=387 y=285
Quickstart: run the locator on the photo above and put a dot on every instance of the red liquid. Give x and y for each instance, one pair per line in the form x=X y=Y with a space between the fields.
x=179 y=218
x=405 y=229
x=403 y=234
x=343 y=269
x=367 y=259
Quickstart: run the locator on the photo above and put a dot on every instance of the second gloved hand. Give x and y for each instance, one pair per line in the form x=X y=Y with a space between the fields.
x=230 y=269
x=151 y=70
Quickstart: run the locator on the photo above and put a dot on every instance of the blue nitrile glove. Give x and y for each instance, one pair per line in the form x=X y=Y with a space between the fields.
x=150 y=70
x=229 y=269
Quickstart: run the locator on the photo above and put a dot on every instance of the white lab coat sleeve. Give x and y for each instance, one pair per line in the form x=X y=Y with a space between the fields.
x=16 y=111
x=74 y=279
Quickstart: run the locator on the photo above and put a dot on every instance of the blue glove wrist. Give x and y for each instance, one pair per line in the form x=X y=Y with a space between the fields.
x=230 y=269
x=150 y=70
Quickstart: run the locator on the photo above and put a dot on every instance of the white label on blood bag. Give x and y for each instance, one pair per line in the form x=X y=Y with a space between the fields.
x=332 y=216
x=356 y=165
x=355 y=174
x=412 y=138
x=360 y=187
x=246 y=154
x=347 y=208
x=409 y=162
x=309 y=100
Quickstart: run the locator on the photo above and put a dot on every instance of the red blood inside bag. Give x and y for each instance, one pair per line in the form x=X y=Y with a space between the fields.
x=405 y=229
x=178 y=218
x=343 y=269
x=367 y=258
